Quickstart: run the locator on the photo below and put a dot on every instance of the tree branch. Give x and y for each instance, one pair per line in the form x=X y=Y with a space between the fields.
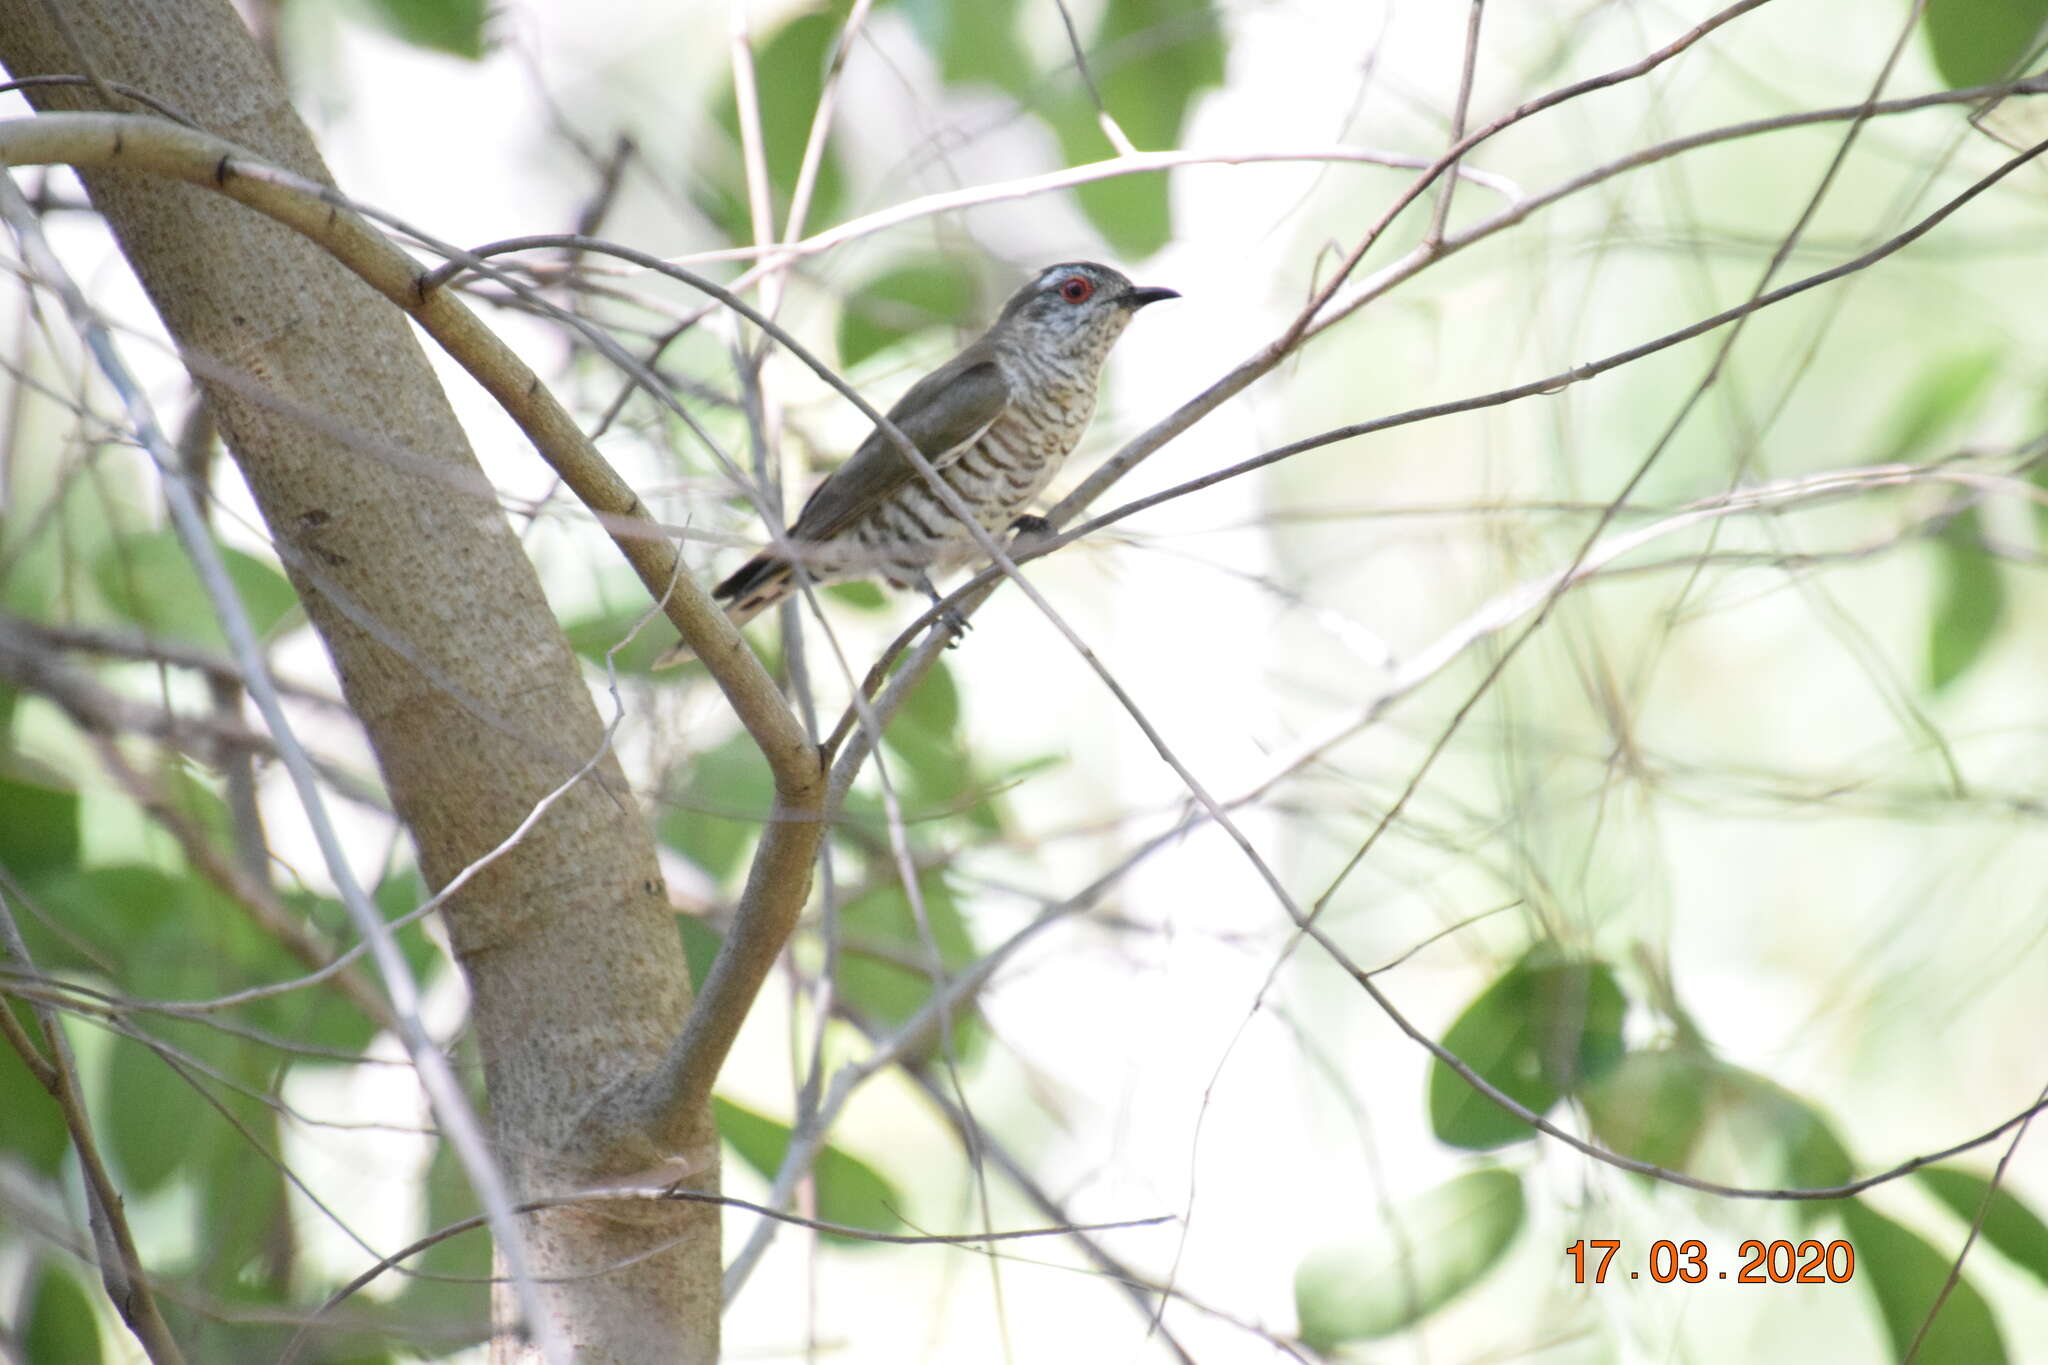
x=120 y=1266
x=437 y=1078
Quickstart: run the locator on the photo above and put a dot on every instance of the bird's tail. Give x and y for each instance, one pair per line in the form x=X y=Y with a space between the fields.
x=758 y=584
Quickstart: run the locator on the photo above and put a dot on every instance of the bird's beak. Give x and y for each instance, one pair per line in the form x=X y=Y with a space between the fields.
x=1137 y=297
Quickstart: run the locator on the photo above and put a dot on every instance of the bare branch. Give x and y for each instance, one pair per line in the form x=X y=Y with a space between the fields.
x=121 y=1272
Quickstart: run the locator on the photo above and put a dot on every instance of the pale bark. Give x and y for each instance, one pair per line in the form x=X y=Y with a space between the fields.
x=445 y=649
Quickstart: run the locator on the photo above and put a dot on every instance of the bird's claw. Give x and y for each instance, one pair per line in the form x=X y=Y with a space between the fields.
x=950 y=620
x=1028 y=530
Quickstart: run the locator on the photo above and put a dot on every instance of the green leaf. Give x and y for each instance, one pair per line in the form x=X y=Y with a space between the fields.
x=2009 y=1225
x=879 y=945
x=398 y=895
x=724 y=801
x=1939 y=397
x=860 y=595
x=180 y=939
x=61 y=1323
x=1543 y=1029
x=1970 y=601
x=1653 y=1105
x=1150 y=58
x=700 y=947
x=146 y=1101
x=31 y=1126
x=976 y=43
x=401 y=891
x=460 y=1305
x=149 y=580
x=925 y=736
x=326 y=1018
x=244 y=1220
x=38 y=829
x=455 y=27
x=1904 y=1274
x=1815 y=1158
x=936 y=703
x=789 y=75
x=1805 y=1152
x=901 y=302
x=189 y=791
x=101 y=909
x=849 y=1191
x=1977 y=42
x=1371 y=1287
x=623 y=635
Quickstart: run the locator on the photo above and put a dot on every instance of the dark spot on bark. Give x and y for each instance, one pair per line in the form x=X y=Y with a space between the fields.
x=222 y=170
x=314 y=518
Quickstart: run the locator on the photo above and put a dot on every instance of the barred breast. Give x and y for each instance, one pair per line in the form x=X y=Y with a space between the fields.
x=912 y=533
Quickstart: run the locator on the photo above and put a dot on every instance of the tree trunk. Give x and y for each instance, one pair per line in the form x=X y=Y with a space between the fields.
x=446 y=650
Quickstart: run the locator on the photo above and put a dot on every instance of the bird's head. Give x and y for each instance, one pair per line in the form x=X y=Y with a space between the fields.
x=1077 y=307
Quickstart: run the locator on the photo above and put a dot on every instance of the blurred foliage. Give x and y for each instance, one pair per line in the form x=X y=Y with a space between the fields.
x=847 y=1190
x=1970 y=601
x=453 y=27
x=628 y=637
x=1430 y=1251
x=900 y=302
x=1970 y=586
x=1653 y=1105
x=1977 y=42
x=62 y=1325
x=31 y=1126
x=40 y=831
x=890 y=954
x=1795 y=1145
x=716 y=817
x=2008 y=1225
x=976 y=44
x=1545 y=1027
x=452 y=1290
x=148 y=580
x=1943 y=395
x=789 y=76
x=1905 y=1276
x=1150 y=59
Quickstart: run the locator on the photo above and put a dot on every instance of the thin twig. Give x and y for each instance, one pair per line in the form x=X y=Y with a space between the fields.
x=120 y=1266
x=1955 y=1269
x=1434 y=237
x=1738 y=322
x=1267 y=357
x=678 y=1194
x=1111 y=129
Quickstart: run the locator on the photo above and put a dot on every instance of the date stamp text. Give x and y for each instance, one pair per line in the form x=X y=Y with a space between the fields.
x=1775 y=1262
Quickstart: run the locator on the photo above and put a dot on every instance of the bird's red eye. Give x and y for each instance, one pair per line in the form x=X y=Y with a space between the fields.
x=1076 y=288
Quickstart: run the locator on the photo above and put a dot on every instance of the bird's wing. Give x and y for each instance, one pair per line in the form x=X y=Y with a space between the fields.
x=944 y=414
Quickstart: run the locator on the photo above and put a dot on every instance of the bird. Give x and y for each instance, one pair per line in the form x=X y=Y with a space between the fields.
x=996 y=422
